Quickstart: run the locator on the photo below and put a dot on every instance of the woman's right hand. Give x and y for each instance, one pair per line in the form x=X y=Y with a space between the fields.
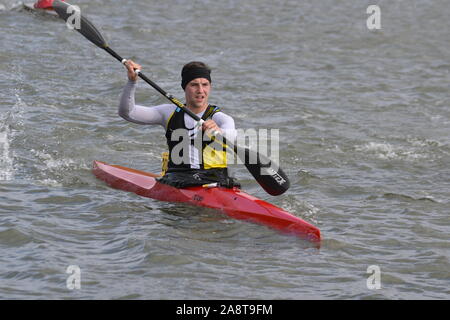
x=131 y=67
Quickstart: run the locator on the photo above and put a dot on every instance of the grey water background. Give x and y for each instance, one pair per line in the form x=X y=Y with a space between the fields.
x=364 y=120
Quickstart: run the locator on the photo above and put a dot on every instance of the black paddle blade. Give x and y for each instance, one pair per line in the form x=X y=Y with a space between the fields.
x=69 y=14
x=268 y=174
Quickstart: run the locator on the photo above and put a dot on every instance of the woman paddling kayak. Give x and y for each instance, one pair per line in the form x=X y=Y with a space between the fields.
x=194 y=158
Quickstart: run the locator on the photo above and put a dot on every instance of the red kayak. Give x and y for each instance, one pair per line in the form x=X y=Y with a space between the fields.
x=233 y=202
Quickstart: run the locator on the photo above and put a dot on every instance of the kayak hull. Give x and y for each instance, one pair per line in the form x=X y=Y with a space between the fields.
x=233 y=202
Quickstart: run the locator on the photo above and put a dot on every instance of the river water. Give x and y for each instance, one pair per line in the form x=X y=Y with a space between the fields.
x=363 y=118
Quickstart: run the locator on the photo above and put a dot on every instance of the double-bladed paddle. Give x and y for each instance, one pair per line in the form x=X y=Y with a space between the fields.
x=268 y=174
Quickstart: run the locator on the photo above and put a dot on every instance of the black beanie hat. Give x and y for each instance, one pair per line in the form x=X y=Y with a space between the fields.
x=193 y=71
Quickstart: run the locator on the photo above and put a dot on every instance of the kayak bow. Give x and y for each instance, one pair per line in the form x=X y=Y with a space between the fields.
x=233 y=202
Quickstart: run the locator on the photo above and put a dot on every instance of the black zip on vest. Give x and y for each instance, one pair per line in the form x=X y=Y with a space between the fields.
x=176 y=121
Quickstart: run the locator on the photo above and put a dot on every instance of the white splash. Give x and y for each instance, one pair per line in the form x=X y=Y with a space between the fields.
x=53 y=168
x=6 y=158
x=50 y=162
x=301 y=209
x=386 y=151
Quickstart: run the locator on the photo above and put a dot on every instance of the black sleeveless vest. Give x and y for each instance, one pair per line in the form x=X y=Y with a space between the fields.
x=211 y=155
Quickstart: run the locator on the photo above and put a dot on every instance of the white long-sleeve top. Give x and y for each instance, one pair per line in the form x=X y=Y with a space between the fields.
x=160 y=114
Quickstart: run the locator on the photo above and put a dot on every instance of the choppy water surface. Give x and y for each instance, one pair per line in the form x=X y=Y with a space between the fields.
x=364 y=120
